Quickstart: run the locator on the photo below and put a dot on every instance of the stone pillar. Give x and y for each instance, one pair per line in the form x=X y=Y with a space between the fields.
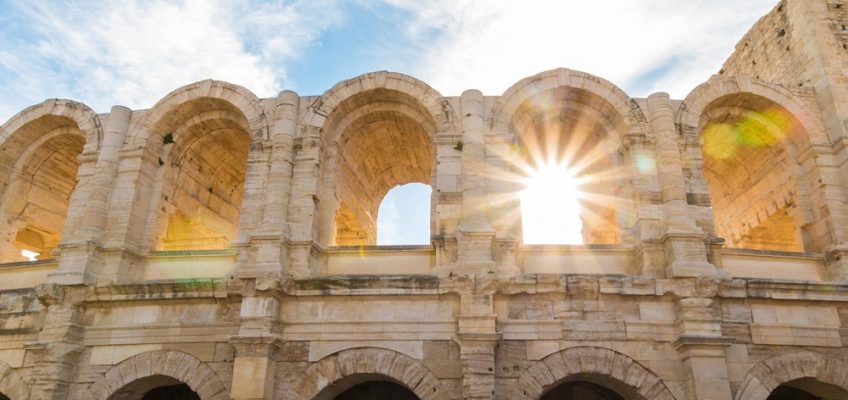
x=267 y=247
x=702 y=346
x=475 y=233
x=685 y=246
x=256 y=344
x=80 y=244
x=478 y=341
x=303 y=206
x=56 y=353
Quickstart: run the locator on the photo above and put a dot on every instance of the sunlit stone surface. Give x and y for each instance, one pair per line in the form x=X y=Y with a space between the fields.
x=583 y=244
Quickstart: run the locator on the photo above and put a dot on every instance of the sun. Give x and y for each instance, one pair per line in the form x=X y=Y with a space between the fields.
x=550 y=206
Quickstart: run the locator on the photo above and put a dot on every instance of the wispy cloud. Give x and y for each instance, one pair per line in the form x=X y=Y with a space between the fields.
x=133 y=53
x=643 y=46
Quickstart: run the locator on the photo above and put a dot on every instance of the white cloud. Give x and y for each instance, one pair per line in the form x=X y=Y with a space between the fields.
x=133 y=53
x=490 y=45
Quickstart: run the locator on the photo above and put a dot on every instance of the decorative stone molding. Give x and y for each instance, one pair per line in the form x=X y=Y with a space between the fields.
x=606 y=365
x=770 y=373
x=174 y=364
x=319 y=380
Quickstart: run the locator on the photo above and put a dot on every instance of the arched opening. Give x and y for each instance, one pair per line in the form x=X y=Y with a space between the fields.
x=204 y=156
x=156 y=387
x=42 y=170
x=570 y=159
x=807 y=389
x=581 y=390
x=382 y=140
x=751 y=148
x=404 y=216
x=377 y=390
x=366 y=387
x=4 y=397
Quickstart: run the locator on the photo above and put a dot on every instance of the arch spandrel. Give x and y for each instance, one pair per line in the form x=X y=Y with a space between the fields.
x=509 y=102
x=236 y=96
x=376 y=362
x=599 y=365
x=175 y=365
x=765 y=376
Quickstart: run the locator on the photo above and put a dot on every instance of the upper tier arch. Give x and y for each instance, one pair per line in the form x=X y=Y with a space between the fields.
x=509 y=102
x=237 y=96
x=440 y=110
x=692 y=109
x=79 y=114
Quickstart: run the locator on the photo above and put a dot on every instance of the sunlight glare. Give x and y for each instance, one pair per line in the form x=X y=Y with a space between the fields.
x=29 y=255
x=550 y=207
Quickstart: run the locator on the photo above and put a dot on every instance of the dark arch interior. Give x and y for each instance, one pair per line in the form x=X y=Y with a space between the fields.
x=581 y=390
x=156 y=387
x=383 y=390
x=807 y=389
x=3 y=397
x=173 y=392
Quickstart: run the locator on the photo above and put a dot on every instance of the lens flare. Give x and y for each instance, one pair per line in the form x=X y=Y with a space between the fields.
x=550 y=206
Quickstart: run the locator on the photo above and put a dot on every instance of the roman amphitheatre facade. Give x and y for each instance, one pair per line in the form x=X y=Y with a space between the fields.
x=222 y=246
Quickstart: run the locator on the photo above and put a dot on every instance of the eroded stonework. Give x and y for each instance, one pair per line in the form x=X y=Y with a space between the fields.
x=222 y=246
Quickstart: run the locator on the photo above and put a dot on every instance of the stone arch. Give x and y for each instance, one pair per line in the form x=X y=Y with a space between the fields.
x=237 y=96
x=386 y=113
x=373 y=362
x=564 y=116
x=80 y=114
x=40 y=150
x=438 y=107
x=608 y=367
x=703 y=95
x=754 y=141
x=174 y=365
x=196 y=143
x=12 y=385
x=510 y=101
x=765 y=376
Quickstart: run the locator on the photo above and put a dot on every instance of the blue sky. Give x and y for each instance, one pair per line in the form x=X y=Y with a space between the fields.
x=134 y=52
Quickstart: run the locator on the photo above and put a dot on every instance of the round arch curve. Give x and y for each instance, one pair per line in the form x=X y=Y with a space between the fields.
x=765 y=376
x=606 y=364
x=12 y=385
x=174 y=364
x=239 y=97
x=80 y=114
x=390 y=364
x=509 y=102
x=703 y=95
x=438 y=107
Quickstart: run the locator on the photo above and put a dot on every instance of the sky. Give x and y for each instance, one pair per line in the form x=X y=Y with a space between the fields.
x=133 y=53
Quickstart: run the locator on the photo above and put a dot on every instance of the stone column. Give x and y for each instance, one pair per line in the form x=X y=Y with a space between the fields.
x=303 y=206
x=475 y=233
x=685 y=248
x=56 y=353
x=82 y=239
x=257 y=343
x=267 y=247
x=478 y=341
x=702 y=346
